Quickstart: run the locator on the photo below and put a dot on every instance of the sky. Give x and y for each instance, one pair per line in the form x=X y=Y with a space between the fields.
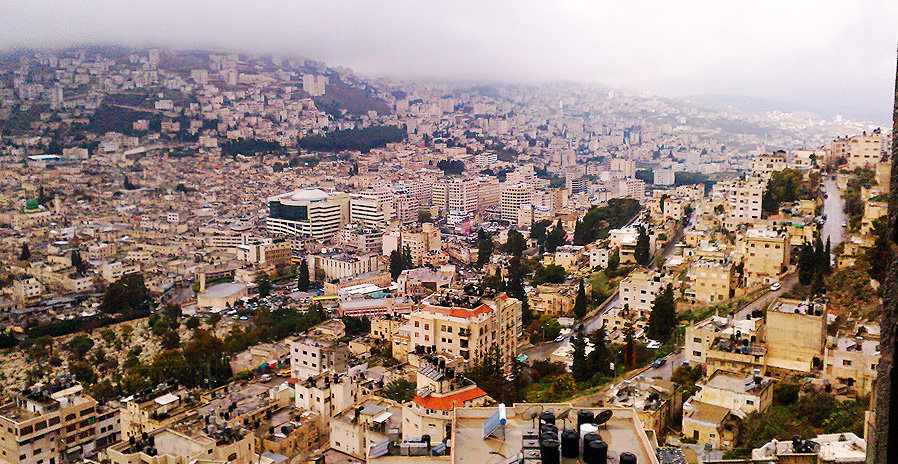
x=831 y=55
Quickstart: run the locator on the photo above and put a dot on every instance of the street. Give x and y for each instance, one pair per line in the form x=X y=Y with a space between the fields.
x=786 y=283
x=835 y=215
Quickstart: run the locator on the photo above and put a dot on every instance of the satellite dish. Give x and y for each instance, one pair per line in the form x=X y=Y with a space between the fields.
x=603 y=417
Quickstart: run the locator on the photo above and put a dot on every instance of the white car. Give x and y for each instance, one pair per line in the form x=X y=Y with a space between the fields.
x=653 y=344
x=776 y=286
x=844 y=224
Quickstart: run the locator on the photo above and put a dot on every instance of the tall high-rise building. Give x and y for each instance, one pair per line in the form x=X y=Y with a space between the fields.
x=513 y=196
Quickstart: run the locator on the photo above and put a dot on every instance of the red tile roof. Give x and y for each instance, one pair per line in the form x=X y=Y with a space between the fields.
x=447 y=403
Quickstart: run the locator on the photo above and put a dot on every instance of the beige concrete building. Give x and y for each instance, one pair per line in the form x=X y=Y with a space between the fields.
x=710 y=282
x=737 y=392
x=710 y=425
x=639 y=289
x=552 y=299
x=795 y=335
x=185 y=445
x=48 y=424
x=467 y=326
x=767 y=255
x=701 y=336
x=339 y=265
x=657 y=402
x=440 y=391
x=850 y=364
x=310 y=356
x=743 y=201
x=513 y=196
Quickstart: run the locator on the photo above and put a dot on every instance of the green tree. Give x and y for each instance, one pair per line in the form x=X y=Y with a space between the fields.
x=663 y=318
x=424 y=216
x=556 y=238
x=580 y=302
x=579 y=367
x=125 y=295
x=78 y=263
x=400 y=390
x=641 y=253
x=516 y=244
x=83 y=372
x=397 y=264
x=79 y=345
x=539 y=229
x=551 y=274
x=170 y=340
x=303 y=282
x=484 y=247
x=614 y=259
x=495 y=281
x=192 y=323
x=263 y=284
x=213 y=320
x=25 y=253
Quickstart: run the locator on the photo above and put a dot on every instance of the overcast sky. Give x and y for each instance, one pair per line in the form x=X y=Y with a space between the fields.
x=829 y=54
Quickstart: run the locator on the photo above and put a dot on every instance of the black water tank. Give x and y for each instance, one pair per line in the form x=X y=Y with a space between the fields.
x=596 y=452
x=584 y=417
x=549 y=428
x=547 y=436
x=548 y=451
x=547 y=417
x=570 y=444
x=627 y=458
x=591 y=436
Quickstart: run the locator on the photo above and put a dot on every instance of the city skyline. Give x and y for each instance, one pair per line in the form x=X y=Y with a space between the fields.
x=692 y=48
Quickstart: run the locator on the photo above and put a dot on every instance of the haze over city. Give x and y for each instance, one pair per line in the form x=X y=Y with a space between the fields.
x=464 y=233
x=832 y=57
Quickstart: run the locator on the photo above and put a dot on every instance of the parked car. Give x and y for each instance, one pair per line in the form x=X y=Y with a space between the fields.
x=653 y=344
x=844 y=224
x=659 y=362
x=264 y=378
x=776 y=286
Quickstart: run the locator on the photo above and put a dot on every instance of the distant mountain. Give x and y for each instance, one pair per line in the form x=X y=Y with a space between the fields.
x=751 y=104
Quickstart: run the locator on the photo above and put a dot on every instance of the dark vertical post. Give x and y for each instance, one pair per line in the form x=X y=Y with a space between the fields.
x=883 y=441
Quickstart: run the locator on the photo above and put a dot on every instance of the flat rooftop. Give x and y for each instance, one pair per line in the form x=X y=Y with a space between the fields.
x=623 y=432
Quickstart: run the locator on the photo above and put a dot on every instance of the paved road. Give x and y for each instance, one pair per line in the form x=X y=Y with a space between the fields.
x=664 y=372
x=787 y=282
x=835 y=215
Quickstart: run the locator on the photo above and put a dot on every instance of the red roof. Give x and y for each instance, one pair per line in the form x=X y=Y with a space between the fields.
x=447 y=403
x=460 y=312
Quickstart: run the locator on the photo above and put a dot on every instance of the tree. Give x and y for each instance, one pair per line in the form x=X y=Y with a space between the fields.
x=171 y=340
x=127 y=294
x=484 y=247
x=495 y=281
x=552 y=274
x=213 y=320
x=83 y=372
x=303 y=282
x=192 y=323
x=579 y=369
x=263 y=284
x=641 y=253
x=580 y=302
x=424 y=216
x=25 y=253
x=556 y=237
x=78 y=263
x=663 y=318
x=172 y=311
x=400 y=260
x=516 y=244
x=400 y=390
x=79 y=345
x=538 y=230
x=487 y=373
x=614 y=260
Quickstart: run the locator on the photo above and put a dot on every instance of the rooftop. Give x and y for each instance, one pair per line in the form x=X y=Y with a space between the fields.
x=623 y=432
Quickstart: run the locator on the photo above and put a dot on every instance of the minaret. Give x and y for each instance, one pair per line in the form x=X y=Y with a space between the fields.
x=202 y=279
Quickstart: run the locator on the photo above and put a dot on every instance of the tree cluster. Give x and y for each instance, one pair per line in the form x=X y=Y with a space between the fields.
x=362 y=140
x=451 y=167
x=641 y=253
x=484 y=247
x=127 y=294
x=599 y=220
x=400 y=260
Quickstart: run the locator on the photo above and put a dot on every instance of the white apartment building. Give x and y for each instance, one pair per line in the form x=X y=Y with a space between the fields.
x=366 y=211
x=311 y=356
x=469 y=331
x=339 y=265
x=743 y=202
x=513 y=196
x=639 y=290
